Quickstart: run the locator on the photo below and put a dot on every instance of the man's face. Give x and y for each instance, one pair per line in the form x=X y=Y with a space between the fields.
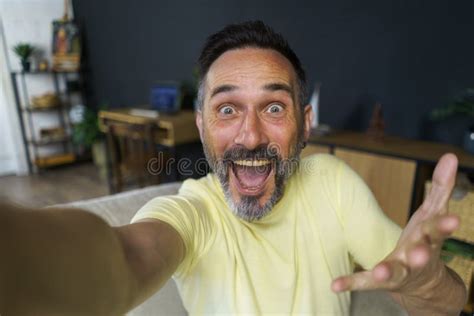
x=249 y=126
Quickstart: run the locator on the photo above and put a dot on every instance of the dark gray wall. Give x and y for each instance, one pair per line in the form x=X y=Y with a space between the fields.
x=409 y=55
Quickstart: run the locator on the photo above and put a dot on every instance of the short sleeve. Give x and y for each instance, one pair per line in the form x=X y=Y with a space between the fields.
x=369 y=233
x=188 y=216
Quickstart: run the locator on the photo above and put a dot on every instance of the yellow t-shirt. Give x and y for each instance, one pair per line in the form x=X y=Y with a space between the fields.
x=285 y=262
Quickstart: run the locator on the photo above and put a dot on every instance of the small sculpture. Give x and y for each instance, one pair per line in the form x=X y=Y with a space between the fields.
x=377 y=124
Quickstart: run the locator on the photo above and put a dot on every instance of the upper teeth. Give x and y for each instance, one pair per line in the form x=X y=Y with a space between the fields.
x=252 y=163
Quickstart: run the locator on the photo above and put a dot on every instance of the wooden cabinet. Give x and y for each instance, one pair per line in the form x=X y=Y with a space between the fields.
x=394 y=168
x=314 y=149
x=390 y=179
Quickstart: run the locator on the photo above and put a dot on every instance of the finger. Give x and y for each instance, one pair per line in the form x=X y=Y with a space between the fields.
x=435 y=231
x=386 y=275
x=419 y=256
x=359 y=280
x=444 y=177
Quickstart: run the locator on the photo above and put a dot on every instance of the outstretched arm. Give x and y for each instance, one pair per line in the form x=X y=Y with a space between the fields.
x=67 y=261
x=413 y=273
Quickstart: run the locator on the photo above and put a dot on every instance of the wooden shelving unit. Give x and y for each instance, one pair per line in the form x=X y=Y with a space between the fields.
x=55 y=160
x=64 y=151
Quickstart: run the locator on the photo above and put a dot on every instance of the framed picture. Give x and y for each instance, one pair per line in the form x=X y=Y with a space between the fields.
x=66 y=46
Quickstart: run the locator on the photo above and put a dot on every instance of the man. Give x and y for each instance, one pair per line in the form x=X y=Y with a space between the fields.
x=262 y=234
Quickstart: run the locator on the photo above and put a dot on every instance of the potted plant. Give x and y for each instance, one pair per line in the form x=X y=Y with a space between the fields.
x=87 y=136
x=24 y=51
x=462 y=106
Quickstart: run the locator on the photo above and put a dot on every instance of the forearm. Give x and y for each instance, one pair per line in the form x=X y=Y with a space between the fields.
x=61 y=262
x=446 y=295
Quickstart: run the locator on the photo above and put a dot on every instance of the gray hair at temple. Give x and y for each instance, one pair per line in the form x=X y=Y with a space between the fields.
x=247 y=34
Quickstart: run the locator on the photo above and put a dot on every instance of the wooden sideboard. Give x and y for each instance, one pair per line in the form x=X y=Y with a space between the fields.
x=171 y=129
x=136 y=137
x=394 y=168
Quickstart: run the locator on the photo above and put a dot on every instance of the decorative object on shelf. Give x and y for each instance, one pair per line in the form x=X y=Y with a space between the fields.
x=66 y=43
x=43 y=65
x=24 y=51
x=54 y=160
x=462 y=105
x=314 y=101
x=51 y=134
x=44 y=101
x=76 y=113
x=377 y=125
x=316 y=127
x=166 y=97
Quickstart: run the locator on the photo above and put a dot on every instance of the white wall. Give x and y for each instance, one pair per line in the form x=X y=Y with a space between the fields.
x=23 y=21
x=12 y=155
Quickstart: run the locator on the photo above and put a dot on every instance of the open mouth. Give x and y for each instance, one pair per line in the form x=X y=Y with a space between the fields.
x=251 y=176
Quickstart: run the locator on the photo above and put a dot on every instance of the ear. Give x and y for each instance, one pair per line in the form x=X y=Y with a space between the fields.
x=199 y=123
x=308 y=118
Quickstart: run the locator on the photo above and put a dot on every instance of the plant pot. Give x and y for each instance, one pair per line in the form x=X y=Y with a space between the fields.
x=100 y=159
x=25 y=65
x=469 y=140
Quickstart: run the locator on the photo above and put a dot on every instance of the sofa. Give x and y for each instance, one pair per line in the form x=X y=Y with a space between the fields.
x=119 y=209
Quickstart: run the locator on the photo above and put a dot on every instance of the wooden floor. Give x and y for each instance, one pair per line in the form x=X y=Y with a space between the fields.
x=59 y=185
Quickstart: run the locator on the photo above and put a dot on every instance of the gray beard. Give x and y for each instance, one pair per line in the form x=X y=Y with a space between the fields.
x=249 y=208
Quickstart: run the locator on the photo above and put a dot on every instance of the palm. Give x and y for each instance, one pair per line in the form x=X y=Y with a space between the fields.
x=415 y=260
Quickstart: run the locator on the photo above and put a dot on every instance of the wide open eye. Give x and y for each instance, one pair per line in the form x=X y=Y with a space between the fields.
x=226 y=110
x=275 y=108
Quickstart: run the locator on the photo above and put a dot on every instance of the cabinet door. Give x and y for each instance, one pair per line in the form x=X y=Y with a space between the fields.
x=390 y=179
x=461 y=203
x=314 y=149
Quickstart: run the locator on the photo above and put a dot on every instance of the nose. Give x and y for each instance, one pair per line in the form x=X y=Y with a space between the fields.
x=251 y=133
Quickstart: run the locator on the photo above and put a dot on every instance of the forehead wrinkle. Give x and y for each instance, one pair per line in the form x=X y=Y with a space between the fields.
x=239 y=68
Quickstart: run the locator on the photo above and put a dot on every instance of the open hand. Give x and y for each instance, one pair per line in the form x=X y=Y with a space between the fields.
x=414 y=267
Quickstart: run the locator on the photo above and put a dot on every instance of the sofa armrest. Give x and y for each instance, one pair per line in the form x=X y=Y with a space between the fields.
x=118 y=209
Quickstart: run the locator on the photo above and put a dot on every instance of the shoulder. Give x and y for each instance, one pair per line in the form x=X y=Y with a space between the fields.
x=194 y=197
x=206 y=186
x=319 y=166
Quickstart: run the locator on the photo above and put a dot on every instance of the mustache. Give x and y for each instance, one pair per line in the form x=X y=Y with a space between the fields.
x=264 y=151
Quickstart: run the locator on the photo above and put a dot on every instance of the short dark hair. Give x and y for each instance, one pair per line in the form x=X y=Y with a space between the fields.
x=248 y=34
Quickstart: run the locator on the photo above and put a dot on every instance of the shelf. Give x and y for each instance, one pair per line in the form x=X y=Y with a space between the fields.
x=63 y=82
x=42 y=109
x=54 y=160
x=62 y=106
x=50 y=141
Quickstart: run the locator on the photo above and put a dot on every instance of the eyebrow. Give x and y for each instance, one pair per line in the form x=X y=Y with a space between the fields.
x=223 y=89
x=269 y=87
x=279 y=87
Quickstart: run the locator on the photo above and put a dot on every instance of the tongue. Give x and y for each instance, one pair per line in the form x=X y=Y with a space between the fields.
x=251 y=177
